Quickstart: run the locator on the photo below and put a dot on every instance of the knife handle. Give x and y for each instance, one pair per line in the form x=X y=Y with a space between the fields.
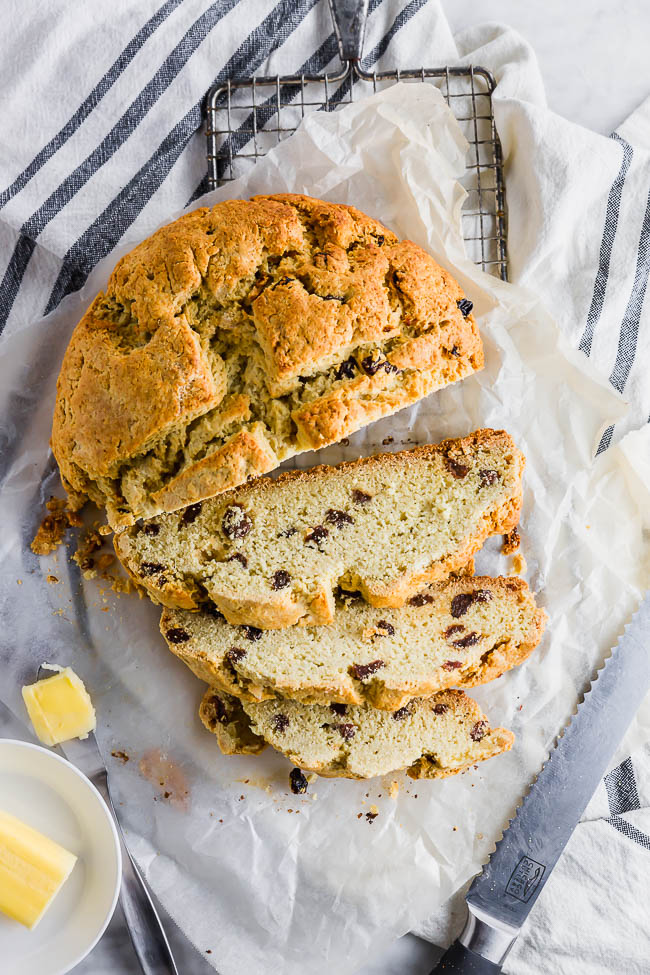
x=142 y=919
x=459 y=960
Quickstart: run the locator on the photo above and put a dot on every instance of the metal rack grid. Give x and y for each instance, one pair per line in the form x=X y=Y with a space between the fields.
x=247 y=117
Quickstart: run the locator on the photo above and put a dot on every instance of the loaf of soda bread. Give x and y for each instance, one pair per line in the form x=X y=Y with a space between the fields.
x=272 y=552
x=240 y=335
x=456 y=633
x=430 y=738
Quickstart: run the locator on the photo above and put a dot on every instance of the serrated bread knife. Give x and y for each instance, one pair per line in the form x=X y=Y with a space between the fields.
x=501 y=897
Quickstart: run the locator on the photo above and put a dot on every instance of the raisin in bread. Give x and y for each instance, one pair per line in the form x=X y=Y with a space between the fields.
x=456 y=633
x=241 y=335
x=272 y=552
x=430 y=738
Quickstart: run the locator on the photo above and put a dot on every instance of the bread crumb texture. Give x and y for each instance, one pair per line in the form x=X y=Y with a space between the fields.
x=273 y=552
x=457 y=633
x=241 y=335
x=434 y=738
x=52 y=529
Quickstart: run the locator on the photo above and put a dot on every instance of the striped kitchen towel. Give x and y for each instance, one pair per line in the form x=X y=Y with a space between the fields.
x=579 y=235
x=102 y=108
x=579 y=229
x=104 y=113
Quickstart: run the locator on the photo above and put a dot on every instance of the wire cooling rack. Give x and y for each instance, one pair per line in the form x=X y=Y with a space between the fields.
x=248 y=116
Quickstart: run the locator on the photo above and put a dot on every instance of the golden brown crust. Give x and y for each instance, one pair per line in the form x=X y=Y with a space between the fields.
x=500 y=740
x=232 y=729
x=315 y=604
x=110 y=404
x=455 y=448
x=265 y=297
x=345 y=410
x=246 y=455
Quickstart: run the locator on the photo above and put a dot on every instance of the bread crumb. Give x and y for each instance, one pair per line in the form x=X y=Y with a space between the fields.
x=393 y=789
x=312 y=778
x=518 y=565
x=122 y=584
x=511 y=541
x=105 y=530
x=89 y=542
x=52 y=580
x=53 y=527
x=19 y=582
x=374 y=810
x=55 y=504
x=50 y=534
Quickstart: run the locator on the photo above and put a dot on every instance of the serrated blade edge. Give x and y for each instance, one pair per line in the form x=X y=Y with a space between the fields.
x=535 y=837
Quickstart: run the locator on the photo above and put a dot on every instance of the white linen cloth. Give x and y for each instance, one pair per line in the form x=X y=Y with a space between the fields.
x=577 y=235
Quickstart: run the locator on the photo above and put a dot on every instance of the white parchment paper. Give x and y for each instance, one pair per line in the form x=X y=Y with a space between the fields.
x=268 y=881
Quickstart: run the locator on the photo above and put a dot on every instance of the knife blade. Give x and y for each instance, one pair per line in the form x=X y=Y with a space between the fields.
x=142 y=919
x=503 y=894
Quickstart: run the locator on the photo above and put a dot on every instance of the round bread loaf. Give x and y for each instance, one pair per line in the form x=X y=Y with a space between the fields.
x=243 y=334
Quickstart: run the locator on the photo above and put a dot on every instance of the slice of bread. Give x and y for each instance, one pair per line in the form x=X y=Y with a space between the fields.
x=271 y=553
x=456 y=633
x=244 y=334
x=431 y=737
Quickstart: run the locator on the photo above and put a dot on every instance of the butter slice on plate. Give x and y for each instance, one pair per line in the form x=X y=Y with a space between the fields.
x=33 y=868
x=60 y=708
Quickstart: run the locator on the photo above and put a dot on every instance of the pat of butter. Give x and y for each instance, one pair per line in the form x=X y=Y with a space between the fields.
x=33 y=868
x=60 y=708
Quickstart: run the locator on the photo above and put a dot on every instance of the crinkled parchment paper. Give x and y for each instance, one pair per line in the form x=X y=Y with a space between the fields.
x=272 y=882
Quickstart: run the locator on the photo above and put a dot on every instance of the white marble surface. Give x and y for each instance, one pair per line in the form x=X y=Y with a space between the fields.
x=593 y=57
x=593 y=54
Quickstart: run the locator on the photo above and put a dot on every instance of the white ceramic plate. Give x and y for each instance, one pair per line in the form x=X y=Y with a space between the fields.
x=51 y=795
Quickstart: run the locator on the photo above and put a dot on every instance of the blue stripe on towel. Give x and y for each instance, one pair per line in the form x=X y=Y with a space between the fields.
x=108 y=228
x=606 y=247
x=105 y=83
x=123 y=128
x=620 y=785
x=629 y=331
